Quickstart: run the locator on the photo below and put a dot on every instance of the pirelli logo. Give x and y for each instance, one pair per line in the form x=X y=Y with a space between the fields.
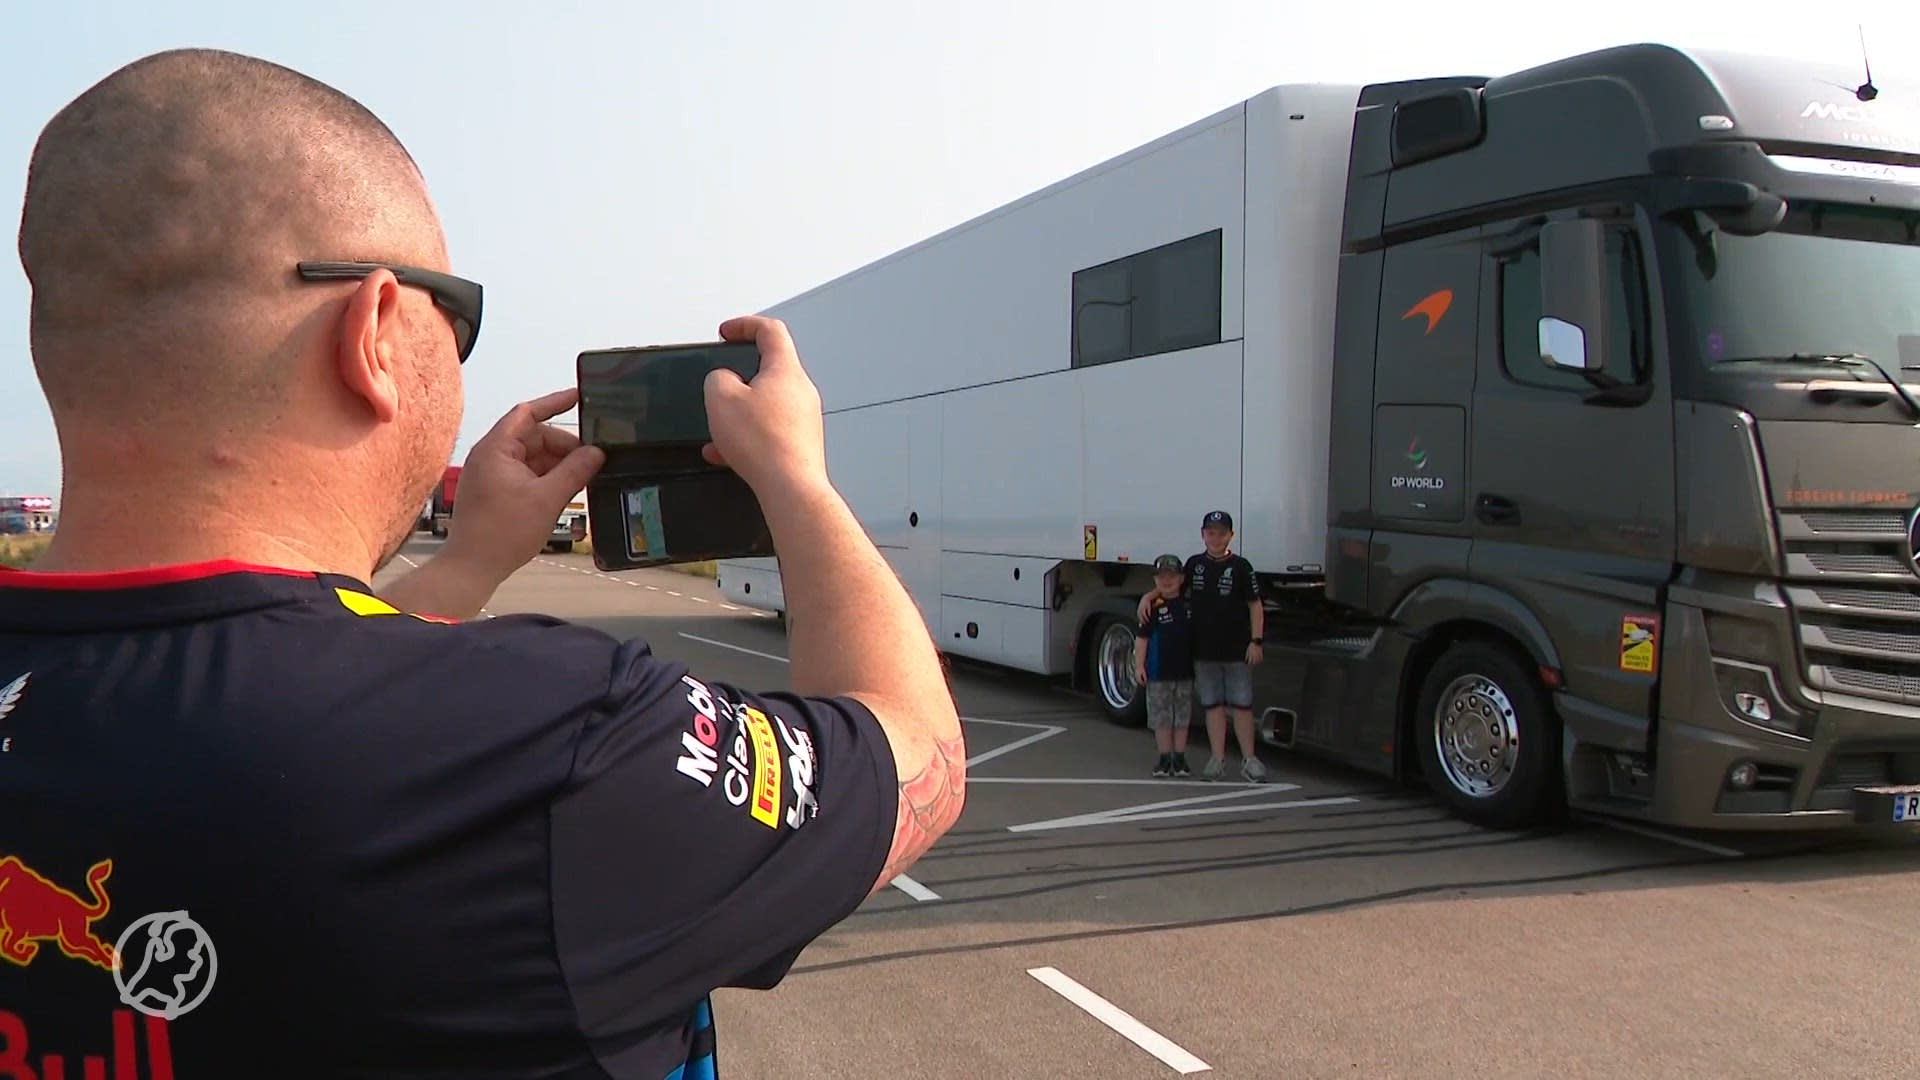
x=766 y=769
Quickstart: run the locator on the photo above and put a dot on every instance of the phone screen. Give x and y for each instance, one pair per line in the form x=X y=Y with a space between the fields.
x=692 y=517
x=656 y=395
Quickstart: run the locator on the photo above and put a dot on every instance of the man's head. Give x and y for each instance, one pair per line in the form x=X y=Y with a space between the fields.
x=167 y=208
x=1216 y=531
x=1169 y=573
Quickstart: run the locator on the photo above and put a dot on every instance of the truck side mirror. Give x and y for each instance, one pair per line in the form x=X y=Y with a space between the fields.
x=1564 y=346
x=1573 y=292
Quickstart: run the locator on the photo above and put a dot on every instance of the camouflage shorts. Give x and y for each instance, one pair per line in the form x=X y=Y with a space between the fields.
x=1169 y=703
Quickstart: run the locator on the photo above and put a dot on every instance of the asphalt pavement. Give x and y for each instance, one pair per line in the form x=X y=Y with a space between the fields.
x=1086 y=920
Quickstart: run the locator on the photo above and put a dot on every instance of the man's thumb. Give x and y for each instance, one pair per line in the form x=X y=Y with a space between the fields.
x=576 y=469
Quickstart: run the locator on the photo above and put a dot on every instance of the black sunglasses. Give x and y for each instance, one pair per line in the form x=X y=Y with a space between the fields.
x=456 y=296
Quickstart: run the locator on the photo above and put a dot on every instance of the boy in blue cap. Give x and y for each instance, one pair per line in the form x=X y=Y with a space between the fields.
x=1163 y=661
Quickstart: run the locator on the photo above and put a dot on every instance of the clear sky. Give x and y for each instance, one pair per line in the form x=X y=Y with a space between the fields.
x=632 y=173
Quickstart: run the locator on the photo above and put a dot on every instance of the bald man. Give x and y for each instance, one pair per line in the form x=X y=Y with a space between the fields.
x=256 y=819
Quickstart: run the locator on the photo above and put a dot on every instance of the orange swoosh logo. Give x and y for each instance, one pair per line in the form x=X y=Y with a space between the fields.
x=1434 y=306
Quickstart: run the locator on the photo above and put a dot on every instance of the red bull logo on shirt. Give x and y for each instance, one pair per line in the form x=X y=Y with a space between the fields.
x=35 y=912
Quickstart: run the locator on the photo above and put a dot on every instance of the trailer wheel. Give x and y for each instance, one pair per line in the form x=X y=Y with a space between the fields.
x=1122 y=697
x=1489 y=742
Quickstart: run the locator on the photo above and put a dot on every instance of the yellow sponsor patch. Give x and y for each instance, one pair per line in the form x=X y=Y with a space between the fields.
x=361 y=604
x=766 y=770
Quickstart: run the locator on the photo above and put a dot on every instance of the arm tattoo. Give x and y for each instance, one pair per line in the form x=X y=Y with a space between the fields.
x=929 y=801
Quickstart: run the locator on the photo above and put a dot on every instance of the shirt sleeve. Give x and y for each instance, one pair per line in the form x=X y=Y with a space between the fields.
x=709 y=834
x=1245 y=587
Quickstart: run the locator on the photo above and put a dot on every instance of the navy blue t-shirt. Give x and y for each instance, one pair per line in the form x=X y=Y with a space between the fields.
x=1169 y=635
x=324 y=837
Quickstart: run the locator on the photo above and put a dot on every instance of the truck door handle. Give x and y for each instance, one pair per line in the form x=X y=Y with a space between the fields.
x=1497 y=510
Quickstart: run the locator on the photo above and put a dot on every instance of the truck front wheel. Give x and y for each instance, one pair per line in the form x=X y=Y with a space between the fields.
x=1122 y=697
x=1489 y=742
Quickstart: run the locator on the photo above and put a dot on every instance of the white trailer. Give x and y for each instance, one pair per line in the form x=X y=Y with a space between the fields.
x=1025 y=409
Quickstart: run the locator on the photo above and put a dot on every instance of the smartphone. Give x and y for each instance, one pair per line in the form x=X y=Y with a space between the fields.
x=654 y=397
x=657 y=500
x=684 y=517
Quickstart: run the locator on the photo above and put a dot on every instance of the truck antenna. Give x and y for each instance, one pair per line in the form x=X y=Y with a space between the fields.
x=1866 y=91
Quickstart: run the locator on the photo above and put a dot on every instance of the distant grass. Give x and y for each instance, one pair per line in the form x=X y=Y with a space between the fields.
x=706 y=569
x=18 y=551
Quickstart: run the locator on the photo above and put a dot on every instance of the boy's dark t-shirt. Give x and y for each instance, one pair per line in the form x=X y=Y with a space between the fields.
x=1219 y=591
x=1169 y=635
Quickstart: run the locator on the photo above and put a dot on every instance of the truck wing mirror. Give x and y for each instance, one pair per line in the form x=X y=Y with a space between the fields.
x=1564 y=345
x=1573 y=291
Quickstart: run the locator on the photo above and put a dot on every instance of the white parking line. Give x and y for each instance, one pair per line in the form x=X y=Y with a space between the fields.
x=1178 y=808
x=1040 y=731
x=1170 y=1053
x=1658 y=834
x=914 y=889
x=735 y=648
x=406 y=560
x=1102 y=782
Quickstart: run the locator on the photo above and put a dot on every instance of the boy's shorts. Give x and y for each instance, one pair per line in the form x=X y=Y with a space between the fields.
x=1170 y=703
x=1217 y=682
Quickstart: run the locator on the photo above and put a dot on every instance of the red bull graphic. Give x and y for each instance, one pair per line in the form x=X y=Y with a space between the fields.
x=33 y=910
x=123 y=1063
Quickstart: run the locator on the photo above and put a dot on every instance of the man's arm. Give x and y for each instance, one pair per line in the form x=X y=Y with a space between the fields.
x=1257 y=618
x=853 y=630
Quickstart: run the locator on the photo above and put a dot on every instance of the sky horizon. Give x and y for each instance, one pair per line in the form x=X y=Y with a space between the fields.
x=616 y=175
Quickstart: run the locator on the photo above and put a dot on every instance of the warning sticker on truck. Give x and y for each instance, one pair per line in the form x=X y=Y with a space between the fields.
x=1090 y=535
x=1639 y=643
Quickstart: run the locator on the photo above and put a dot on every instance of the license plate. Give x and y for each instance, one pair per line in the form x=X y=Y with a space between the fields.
x=1906 y=807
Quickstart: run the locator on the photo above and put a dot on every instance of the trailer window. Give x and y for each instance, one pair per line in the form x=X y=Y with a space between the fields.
x=1156 y=301
x=1626 y=315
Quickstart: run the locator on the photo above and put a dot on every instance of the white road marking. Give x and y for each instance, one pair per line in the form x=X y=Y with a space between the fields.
x=1658 y=834
x=406 y=560
x=729 y=607
x=735 y=648
x=1179 y=808
x=699 y=599
x=1170 y=1053
x=914 y=889
x=1040 y=731
x=653 y=588
x=1097 y=782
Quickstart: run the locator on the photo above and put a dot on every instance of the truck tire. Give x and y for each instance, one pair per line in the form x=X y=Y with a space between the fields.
x=1489 y=742
x=1110 y=663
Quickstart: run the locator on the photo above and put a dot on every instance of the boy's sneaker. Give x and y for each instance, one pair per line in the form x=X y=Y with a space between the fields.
x=1180 y=765
x=1163 y=767
x=1215 y=769
x=1254 y=770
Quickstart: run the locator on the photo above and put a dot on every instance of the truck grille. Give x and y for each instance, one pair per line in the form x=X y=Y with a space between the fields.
x=1856 y=601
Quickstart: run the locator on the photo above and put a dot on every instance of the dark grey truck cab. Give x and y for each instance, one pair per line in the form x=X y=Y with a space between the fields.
x=1625 y=466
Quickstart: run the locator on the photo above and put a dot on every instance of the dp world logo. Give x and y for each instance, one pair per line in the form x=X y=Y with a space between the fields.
x=166 y=964
x=1416 y=457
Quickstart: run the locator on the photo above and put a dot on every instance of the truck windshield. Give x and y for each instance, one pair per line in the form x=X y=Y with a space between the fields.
x=1832 y=280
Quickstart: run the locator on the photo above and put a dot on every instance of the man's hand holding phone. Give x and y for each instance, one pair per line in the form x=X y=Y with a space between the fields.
x=770 y=430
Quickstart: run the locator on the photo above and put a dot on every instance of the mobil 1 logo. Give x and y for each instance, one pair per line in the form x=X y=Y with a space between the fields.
x=761 y=764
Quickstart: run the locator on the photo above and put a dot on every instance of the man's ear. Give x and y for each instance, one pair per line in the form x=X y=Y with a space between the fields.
x=371 y=337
